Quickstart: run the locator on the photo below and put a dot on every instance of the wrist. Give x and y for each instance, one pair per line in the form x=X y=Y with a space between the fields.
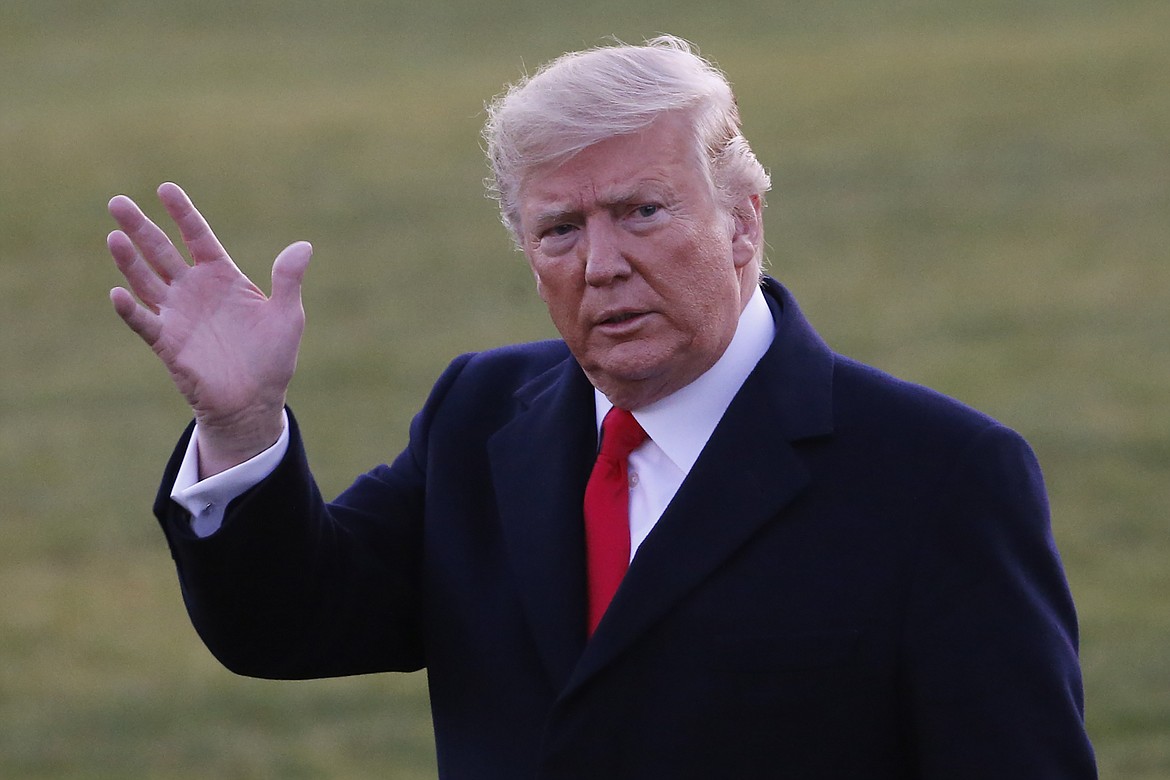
x=223 y=444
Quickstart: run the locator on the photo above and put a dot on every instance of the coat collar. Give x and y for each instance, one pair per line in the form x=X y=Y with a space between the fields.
x=541 y=461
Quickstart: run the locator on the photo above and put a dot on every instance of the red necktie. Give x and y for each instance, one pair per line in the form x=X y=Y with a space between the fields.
x=607 y=511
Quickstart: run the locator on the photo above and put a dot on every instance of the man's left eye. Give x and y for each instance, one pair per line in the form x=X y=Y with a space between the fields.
x=647 y=210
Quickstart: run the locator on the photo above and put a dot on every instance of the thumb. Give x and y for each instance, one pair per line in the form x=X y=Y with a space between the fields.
x=288 y=271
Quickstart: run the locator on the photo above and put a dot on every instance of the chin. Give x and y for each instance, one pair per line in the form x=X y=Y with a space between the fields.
x=630 y=387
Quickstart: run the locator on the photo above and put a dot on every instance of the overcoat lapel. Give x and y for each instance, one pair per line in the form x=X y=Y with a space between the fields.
x=748 y=472
x=540 y=463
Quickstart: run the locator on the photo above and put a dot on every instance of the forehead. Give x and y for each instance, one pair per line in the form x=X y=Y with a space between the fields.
x=661 y=158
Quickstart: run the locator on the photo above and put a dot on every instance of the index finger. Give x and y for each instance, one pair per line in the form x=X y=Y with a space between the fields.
x=201 y=242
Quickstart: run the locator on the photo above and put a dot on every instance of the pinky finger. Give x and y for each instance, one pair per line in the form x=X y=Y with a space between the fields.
x=140 y=319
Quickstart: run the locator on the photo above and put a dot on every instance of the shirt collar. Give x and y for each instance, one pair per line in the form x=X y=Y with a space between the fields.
x=682 y=422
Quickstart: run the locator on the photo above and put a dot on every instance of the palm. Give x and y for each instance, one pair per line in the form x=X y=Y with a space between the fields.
x=221 y=341
x=230 y=350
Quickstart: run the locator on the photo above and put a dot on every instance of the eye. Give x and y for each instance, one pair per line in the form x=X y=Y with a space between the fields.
x=556 y=239
x=647 y=210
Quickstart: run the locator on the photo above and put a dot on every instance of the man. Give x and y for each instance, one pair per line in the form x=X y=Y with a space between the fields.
x=831 y=573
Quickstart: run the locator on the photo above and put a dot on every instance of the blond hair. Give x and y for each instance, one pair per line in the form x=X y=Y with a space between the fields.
x=582 y=98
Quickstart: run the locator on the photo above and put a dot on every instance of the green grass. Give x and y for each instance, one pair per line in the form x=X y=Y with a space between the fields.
x=971 y=195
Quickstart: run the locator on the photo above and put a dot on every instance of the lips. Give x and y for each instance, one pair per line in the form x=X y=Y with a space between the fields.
x=620 y=323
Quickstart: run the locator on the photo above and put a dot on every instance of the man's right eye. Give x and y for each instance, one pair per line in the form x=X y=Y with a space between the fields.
x=557 y=239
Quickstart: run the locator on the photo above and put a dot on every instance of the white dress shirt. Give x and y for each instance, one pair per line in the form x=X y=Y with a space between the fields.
x=678 y=427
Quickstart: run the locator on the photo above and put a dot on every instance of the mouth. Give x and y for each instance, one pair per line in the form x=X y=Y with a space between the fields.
x=620 y=324
x=618 y=319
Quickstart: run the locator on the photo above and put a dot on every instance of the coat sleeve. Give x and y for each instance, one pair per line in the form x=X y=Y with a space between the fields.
x=991 y=633
x=294 y=587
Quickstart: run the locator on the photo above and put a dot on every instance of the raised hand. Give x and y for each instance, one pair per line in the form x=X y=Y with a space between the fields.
x=230 y=350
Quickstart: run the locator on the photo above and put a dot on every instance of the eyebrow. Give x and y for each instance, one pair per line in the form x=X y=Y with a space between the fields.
x=645 y=189
x=554 y=215
x=638 y=192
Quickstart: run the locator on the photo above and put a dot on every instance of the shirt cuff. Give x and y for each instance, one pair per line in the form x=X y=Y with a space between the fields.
x=206 y=500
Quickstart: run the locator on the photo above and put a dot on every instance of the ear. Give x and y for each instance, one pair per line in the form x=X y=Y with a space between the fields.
x=747 y=228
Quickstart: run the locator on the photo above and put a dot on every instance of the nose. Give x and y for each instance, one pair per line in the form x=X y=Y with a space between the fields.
x=603 y=254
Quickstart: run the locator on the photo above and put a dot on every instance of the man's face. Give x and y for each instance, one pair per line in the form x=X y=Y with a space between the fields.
x=644 y=274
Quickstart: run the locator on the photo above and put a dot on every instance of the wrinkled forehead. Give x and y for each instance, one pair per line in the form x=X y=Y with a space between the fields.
x=657 y=161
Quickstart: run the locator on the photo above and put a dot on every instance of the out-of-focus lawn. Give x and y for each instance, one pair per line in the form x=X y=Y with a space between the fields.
x=974 y=196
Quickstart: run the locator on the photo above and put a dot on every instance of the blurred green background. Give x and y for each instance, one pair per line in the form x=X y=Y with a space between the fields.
x=973 y=195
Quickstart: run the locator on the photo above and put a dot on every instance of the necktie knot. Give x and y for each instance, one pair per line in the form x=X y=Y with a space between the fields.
x=620 y=434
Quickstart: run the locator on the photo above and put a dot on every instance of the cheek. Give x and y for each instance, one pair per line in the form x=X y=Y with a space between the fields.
x=559 y=291
x=708 y=293
x=543 y=274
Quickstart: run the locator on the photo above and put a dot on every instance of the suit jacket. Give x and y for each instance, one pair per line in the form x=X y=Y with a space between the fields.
x=856 y=580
